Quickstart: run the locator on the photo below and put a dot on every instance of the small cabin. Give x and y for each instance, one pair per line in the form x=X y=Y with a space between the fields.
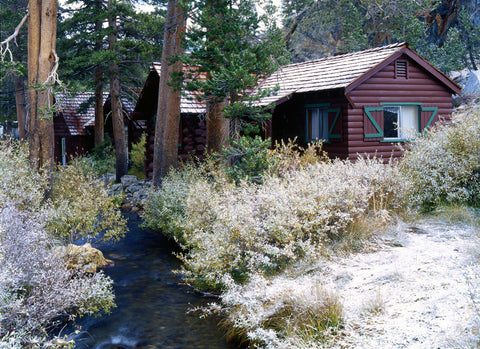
x=358 y=104
x=74 y=124
x=73 y=137
x=192 y=131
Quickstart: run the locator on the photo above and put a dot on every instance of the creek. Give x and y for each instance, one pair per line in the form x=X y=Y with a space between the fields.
x=152 y=303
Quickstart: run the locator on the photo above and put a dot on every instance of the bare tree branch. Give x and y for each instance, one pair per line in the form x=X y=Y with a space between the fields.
x=5 y=44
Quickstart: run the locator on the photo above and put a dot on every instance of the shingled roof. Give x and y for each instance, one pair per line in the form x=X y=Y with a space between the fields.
x=188 y=103
x=77 y=110
x=343 y=71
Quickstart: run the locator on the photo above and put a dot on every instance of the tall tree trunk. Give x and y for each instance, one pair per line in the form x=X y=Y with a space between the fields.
x=172 y=120
x=46 y=63
x=20 y=105
x=163 y=97
x=41 y=61
x=218 y=127
x=34 y=23
x=117 y=115
x=99 y=116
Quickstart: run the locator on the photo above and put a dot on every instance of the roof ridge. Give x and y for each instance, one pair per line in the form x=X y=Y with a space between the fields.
x=375 y=49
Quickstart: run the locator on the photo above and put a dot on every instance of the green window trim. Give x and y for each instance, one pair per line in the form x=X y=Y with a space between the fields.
x=399 y=104
x=435 y=111
x=399 y=140
x=318 y=105
x=380 y=133
x=332 y=135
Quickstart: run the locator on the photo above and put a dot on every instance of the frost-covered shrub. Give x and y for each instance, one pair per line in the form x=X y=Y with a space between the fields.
x=78 y=203
x=37 y=290
x=236 y=229
x=81 y=205
x=281 y=312
x=444 y=164
x=165 y=207
x=18 y=183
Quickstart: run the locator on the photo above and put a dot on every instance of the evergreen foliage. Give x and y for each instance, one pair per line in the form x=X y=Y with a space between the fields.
x=233 y=49
x=82 y=46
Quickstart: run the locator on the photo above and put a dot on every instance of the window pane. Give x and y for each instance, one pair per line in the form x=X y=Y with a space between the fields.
x=317 y=124
x=324 y=128
x=409 y=121
x=390 y=127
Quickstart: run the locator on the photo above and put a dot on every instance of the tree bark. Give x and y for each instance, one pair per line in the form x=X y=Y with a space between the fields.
x=34 y=22
x=20 y=105
x=99 y=116
x=117 y=115
x=46 y=63
x=163 y=97
x=172 y=120
x=42 y=33
x=218 y=127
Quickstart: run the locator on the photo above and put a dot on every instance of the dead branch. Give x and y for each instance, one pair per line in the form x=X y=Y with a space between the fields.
x=5 y=44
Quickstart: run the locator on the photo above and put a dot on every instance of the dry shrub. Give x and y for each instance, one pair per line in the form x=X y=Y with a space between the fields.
x=280 y=312
x=235 y=229
x=443 y=166
x=289 y=156
x=78 y=204
x=37 y=290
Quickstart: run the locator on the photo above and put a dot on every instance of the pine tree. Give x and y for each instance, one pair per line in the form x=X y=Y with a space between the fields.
x=86 y=56
x=232 y=49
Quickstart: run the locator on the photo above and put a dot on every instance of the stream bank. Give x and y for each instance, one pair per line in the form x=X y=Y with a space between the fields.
x=152 y=302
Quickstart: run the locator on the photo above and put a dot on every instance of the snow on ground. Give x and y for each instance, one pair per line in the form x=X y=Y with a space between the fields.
x=415 y=291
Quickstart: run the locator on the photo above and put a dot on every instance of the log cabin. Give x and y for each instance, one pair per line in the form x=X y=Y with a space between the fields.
x=192 y=131
x=358 y=104
x=74 y=124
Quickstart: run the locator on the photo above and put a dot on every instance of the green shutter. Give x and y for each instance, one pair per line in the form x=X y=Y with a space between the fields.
x=368 y=112
x=332 y=135
x=428 y=120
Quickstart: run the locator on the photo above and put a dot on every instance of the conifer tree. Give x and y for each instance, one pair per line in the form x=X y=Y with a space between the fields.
x=232 y=49
x=86 y=56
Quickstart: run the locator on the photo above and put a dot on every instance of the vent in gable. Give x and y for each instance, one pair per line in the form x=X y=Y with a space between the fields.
x=401 y=69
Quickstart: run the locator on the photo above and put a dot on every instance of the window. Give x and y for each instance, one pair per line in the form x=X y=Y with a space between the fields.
x=317 y=124
x=400 y=122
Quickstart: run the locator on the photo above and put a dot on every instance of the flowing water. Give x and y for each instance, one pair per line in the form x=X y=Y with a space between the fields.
x=152 y=303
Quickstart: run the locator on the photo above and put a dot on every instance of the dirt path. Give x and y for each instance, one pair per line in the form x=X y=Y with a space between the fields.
x=413 y=292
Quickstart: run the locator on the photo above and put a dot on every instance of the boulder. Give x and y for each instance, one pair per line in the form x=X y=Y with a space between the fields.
x=85 y=257
x=115 y=189
x=109 y=178
x=128 y=180
x=472 y=85
x=134 y=188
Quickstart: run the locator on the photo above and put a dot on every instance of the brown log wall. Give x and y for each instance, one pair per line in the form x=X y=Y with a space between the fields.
x=192 y=139
x=383 y=87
